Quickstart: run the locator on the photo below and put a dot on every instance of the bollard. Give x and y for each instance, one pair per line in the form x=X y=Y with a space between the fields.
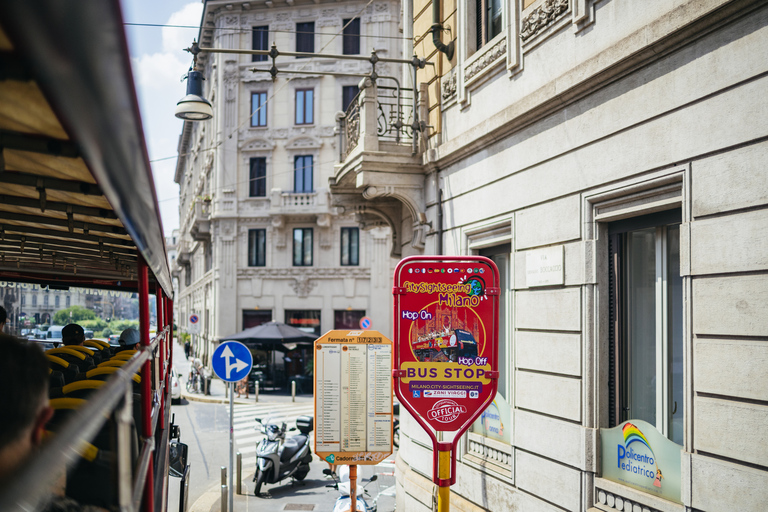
x=223 y=498
x=223 y=475
x=256 y=390
x=293 y=391
x=239 y=484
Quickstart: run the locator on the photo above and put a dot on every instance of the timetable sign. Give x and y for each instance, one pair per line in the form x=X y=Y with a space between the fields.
x=353 y=397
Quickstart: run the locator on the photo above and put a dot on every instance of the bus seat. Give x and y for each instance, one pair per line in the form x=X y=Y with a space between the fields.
x=58 y=365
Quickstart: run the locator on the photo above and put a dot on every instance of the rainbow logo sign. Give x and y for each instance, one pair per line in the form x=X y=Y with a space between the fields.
x=637 y=462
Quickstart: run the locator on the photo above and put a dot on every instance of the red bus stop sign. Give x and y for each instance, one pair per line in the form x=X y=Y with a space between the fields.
x=446 y=339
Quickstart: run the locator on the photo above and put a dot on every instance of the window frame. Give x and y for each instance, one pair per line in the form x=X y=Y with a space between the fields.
x=305 y=37
x=302 y=172
x=259 y=181
x=303 y=93
x=259 y=120
x=483 y=23
x=346 y=100
x=351 y=37
x=306 y=248
x=262 y=29
x=257 y=247
x=352 y=260
x=619 y=349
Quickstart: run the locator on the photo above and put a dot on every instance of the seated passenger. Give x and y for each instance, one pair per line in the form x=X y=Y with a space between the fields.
x=129 y=339
x=72 y=334
x=26 y=410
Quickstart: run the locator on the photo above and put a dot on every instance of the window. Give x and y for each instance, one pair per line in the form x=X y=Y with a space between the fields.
x=306 y=320
x=351 y=35
x=56 y=301
x=348 y=318
x=305 y=99
x=302 y=174
x=348 y=95
x=305 y=37
x=45 y=299
x=260 y=42
x=646 y=322
x=350 y=246
x=23 y=300
x=34 y=299
x=257 y=247
x=302 y=247
x=69 y=300
x=487 y=21
x=257 y=183
x=254 y=318
x=259 y=109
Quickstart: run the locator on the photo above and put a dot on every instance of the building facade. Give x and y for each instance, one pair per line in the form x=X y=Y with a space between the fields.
x=259 y=239
x=610 y=158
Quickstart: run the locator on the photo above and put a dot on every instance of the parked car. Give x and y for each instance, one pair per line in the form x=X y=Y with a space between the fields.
x=114 y=340
x=88 y=334
x=175 y=387
x=54 y=333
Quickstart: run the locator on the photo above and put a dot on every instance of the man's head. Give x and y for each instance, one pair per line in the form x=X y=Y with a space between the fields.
x=72 y=334
x=23 y=402
x=130 y=338
x=3 y=318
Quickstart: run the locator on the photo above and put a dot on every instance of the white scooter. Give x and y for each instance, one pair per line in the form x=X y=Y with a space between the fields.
x=343 y=502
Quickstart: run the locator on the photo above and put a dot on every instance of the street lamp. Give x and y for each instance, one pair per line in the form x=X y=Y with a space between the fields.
x=193 y=106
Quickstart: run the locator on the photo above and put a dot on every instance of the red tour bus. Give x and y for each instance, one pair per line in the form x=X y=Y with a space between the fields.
x=78 y=210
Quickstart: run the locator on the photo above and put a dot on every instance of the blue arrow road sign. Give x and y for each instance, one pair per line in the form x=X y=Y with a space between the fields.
x=231 y=361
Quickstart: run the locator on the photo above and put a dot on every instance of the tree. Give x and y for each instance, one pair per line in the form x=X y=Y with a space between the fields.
x=73 y=314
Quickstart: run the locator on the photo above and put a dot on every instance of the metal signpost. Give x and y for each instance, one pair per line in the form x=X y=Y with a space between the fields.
x=353 y=400
x=446 y=349
x=231 y=362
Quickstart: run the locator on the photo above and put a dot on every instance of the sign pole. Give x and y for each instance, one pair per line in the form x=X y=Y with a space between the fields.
x=230 y=491
x=353 y=486
x=444 y=474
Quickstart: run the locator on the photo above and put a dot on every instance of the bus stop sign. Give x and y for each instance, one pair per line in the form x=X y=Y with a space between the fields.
x=446 y=339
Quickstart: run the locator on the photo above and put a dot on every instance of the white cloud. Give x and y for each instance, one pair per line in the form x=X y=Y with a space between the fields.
x=159 y=86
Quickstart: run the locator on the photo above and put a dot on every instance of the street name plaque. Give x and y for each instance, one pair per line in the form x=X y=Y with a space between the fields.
x=353 y=397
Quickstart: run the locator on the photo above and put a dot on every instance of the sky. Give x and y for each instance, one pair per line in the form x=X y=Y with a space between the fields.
x=159 y=63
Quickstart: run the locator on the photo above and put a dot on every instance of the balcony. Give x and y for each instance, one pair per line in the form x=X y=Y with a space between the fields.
x=184 y=253
x=200 y=225
x=381 y=175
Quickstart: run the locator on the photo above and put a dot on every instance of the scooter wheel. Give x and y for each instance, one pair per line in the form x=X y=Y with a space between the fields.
x=302 y=472
x=260 y=478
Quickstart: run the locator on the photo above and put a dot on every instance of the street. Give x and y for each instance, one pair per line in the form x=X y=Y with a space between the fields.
x=204 y=428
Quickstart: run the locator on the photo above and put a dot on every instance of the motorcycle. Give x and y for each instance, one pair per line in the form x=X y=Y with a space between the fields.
x=278 y=458
x=343 y=502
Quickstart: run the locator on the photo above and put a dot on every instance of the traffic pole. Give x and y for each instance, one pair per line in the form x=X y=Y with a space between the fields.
x=231 y=489
x=353 y=487
x=444 y=474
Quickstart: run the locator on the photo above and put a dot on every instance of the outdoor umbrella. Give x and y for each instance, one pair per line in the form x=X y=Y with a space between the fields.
x=271 y=335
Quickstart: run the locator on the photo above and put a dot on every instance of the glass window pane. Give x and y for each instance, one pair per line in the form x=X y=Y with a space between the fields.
x=640 y=344
x=297 y=247
x=354 y=249
x=310 y=107
x=308 y=246
x=675 y=335
x=299 y=107
x=260 y=42
x=307 y=174
x=344 y=246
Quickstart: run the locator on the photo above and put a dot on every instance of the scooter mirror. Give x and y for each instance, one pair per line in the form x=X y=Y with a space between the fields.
x=258 y=420
x=328 y=472
x=374 y=478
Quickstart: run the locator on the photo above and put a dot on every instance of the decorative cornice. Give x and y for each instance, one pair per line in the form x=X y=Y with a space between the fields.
x=309 y=272
x=541 y=17
x=489 y=57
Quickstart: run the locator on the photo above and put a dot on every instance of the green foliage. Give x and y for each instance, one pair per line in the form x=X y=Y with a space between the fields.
x=106 y=333
x=95 y=325
x=183 y=337
x=118 y=326
x=73 y=314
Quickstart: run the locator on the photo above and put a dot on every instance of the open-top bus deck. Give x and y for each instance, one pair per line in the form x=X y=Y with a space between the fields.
x=78 y=208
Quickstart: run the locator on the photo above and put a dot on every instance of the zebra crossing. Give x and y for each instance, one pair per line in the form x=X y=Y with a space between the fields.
x=247 y=433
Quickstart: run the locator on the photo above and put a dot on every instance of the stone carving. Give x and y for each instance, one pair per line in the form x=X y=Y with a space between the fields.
x=449 y=85
x=326 y=13
x=303 y=143
x=283 y=16
x=328 y=22
x=381 y=7
x=280 y=133
x=541 y=17
x=489 y=57
x=302 y=285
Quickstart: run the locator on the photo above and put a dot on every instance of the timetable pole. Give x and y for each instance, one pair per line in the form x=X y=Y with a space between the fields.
x=353 y=486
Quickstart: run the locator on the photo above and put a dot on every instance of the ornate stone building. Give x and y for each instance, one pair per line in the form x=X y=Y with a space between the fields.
x=624 y=143
x=259 y=238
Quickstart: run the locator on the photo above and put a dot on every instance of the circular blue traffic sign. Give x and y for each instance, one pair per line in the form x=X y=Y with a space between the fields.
x=231 y=361
x=365 y=323
x=193 y=319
